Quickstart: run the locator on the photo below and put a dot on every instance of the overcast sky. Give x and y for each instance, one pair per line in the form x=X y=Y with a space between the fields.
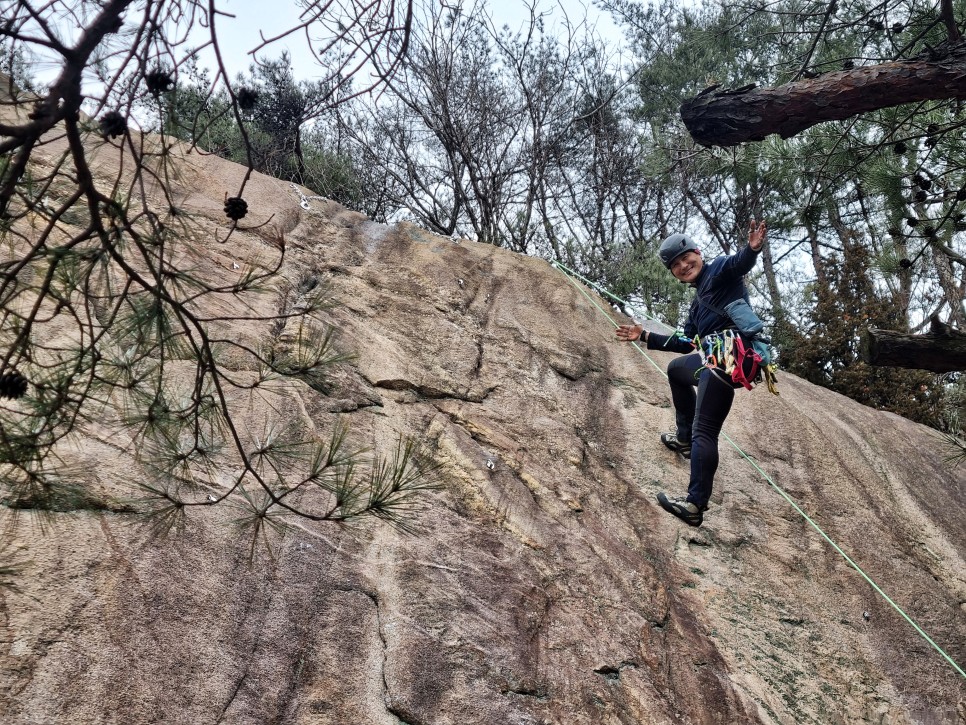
x=239 y=35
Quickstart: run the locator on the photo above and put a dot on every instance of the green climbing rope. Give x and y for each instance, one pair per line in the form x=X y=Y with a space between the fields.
x=573 y=277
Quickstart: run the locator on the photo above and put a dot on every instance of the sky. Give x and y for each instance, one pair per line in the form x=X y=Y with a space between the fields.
x=253 y=19
x=514 y=13
x=241 y=34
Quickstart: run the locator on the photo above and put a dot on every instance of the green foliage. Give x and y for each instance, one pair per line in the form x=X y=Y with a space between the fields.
x=828 y=353
x=331 y=174
x=640 y=275
x=15 y=63
x=196 y=111
x=684 y=49
x=954 y=418
x=332 y=488
x=275 y=123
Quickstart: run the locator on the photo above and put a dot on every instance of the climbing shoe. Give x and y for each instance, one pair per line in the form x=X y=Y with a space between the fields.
x=681 y=447
x=688 y=512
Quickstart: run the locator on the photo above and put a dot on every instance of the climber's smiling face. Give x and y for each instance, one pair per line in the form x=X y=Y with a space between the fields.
x=687 y=267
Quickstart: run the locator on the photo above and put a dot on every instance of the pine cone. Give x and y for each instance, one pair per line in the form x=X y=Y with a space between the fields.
x=113 y=124
x=247 y=98
x=236 y=208
x=13 y=385
x=900 y=147
x=158 y=82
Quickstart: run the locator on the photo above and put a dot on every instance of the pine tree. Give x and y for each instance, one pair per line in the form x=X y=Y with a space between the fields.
x=106 y=319
x=827 y=353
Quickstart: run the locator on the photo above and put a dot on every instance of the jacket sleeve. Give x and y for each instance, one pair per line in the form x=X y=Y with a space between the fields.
x=677 y=341
x=740 y=264
x=672 y=343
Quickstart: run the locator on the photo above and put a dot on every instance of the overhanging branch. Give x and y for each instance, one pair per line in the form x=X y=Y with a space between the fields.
x=730 y=117
x=941 y=350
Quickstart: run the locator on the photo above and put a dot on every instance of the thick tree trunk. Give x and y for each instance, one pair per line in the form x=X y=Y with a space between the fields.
x=942 y=350
x=730 y=117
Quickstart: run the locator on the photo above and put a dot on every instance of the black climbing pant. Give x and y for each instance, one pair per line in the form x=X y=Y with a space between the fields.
x=699 y=417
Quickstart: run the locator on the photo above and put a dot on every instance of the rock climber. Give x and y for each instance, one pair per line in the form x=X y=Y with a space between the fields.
x=699 y=415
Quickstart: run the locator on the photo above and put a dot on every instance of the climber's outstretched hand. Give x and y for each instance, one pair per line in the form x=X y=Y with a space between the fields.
x=629 y=333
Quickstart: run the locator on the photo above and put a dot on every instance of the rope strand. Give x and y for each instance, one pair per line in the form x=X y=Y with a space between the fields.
x=573 y=277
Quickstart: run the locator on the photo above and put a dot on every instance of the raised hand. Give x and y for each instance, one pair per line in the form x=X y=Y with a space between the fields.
x=756 y=234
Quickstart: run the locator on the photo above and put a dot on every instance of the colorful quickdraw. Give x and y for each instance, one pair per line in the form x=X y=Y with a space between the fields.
x=727 y=352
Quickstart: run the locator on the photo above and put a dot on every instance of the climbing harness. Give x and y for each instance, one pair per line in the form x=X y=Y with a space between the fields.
x=727 y=355
x=750 y=352
x=574 y=277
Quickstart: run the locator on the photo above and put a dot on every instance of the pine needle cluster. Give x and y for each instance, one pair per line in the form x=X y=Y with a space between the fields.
x=108 y=328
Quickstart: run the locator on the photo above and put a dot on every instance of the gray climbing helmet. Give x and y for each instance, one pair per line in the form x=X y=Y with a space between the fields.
x=674 y=246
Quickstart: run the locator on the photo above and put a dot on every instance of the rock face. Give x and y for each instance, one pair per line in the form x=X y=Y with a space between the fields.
x=544 y=585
